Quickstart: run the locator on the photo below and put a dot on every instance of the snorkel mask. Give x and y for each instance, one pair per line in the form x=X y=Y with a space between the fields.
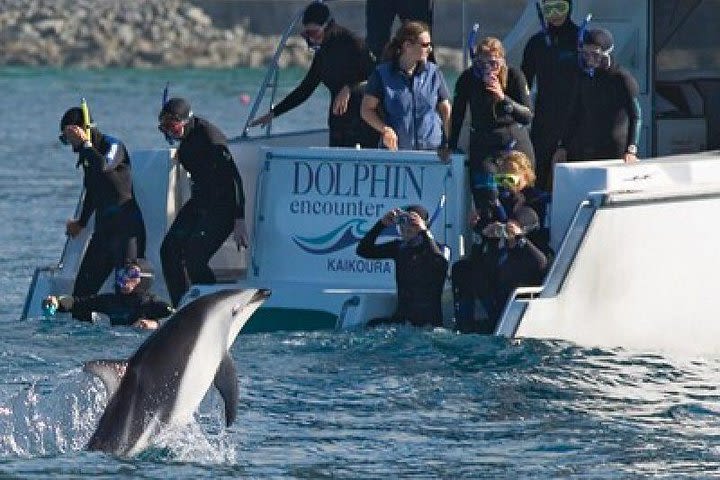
x=124 y=276
x=507 y=180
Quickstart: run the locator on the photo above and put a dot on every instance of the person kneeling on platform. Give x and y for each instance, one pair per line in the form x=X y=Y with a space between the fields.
x=420 y=267
x=513 y=250
x=132 y=303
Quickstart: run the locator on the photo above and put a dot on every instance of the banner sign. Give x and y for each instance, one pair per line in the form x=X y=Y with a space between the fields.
x=313 y=211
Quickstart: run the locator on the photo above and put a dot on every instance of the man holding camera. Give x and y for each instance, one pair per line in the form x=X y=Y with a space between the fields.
x=420 y=267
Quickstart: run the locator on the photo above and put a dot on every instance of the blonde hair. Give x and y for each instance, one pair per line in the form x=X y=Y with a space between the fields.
x=493 y=46
x=519 y=162
x=408 y=32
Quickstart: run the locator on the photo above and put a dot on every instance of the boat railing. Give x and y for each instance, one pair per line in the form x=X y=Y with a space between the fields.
x=569 y=247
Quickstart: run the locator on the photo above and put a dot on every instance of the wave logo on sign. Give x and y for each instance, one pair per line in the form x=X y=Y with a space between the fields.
x=350 y=233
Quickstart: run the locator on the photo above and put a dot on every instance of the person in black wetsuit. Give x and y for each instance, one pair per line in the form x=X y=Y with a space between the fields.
x=119 y=231
x=500 y=112
x=342 y=63
x=380 y=14
x=513 y=250
x=550 y=61
x=605 y=119
x=420 y=267
x=217 y=203
x=132 y=304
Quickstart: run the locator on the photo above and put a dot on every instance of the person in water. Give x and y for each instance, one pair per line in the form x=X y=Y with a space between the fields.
x=132 y=304
x=406 y=99
x=119 y=232
x=500 y=112
x=380 y=15
x=550 y=62
x=217 y=203
x=420 y=267
x=513 y=250
x=342 y=63
x=605 y=119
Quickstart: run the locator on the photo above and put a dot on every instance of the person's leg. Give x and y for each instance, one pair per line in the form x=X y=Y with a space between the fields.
x=172 y=253
x=211 y=231
x=379 y=16
x=94 y=269
x=421 y=10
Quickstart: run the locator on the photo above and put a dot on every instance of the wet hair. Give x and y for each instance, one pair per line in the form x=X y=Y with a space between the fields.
x=178 y=107
x=317 y=13
x=408 y=32
x=420 y=210
x=493 y=46
x=521 y=164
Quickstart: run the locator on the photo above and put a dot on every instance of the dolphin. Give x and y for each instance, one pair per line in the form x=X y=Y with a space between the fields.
x=165 y=380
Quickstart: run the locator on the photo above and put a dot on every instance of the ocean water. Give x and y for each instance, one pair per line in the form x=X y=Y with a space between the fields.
x=386 y=403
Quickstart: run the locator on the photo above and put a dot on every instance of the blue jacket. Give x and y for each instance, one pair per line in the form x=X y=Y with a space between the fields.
x=410 y=103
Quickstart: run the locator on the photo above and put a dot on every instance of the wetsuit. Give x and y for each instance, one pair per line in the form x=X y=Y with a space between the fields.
x=496 y=127
x=606 y=116
x=420 y=270
x=380 y=14
x=119 y=232
x=343 y=60
x=493 y=270
x=204 y=223
x=554 y=68
x=122 y=309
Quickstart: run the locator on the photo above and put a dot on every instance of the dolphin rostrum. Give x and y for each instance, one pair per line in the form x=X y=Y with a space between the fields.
x=163 y=383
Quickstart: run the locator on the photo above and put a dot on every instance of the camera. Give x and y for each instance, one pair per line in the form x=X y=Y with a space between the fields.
x=402 y=218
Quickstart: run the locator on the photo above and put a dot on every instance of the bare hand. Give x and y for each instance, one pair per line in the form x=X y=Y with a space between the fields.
x=264 y=120
x=73 y=228
x=146 y=324
x=342 y=99
x=513 y=229
x=495 y=89
x=240 y=233
x=390 y=139
x=444 y=153
x=494 y=230
x=559 y=156
x=390 y=218
x=473 y=218
x=630 y=158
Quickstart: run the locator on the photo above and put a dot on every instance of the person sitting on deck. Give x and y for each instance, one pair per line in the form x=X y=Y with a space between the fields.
x=420 y=267
x=513 y=251
x=132 y=304
x=406 y=98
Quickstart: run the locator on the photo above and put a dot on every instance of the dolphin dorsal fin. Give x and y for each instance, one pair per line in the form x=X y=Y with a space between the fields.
x=110 y=372
x=227 y=384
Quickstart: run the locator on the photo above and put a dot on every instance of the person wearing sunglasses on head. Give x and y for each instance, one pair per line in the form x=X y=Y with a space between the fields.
x=119 y=231
x=499 y=102
x=342 y=63
x=217 y=202
x=513 y=250
x=407 y=99
x=550 y=62
x=131 y=304
x=605 y=119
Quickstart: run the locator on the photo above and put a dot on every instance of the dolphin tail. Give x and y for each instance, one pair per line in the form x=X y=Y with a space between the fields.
x=227 y=384
x=110 y=372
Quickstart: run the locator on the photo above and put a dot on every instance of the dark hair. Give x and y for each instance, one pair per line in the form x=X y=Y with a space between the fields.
x=408 y=32
x=73 y=116
x=420 y=210
x=317 y=13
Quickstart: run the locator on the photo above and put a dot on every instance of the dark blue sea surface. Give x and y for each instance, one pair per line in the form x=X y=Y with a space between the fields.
x=386 y=403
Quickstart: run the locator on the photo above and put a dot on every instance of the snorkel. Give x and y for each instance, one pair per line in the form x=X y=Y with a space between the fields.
x=86 y=119
x=581 y=42
x=165 y=98
x=472 y=38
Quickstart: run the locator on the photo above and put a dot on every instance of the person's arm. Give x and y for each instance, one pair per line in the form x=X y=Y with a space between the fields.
x=302 y=92
x=438 y=259
x=569 y=129
x=227 y=168
x=517 y=100
x=460 y=101
x=152 y=308
x=634 y=113
x=443 y=107
x=537 y=254
x=529 y=61
x=367 y=248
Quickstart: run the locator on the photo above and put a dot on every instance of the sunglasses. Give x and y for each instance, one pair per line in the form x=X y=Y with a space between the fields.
x=423 y=44
x=555 y=8
x=492 y=63
x=124 y=275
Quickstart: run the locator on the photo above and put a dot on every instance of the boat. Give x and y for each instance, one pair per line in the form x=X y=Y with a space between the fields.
x=634 y=244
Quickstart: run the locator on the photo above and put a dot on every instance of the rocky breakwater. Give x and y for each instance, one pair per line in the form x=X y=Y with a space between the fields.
x=137 y=33
x=130 y=33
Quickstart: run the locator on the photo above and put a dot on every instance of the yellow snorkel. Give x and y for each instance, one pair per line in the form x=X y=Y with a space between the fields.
x=86 y=118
